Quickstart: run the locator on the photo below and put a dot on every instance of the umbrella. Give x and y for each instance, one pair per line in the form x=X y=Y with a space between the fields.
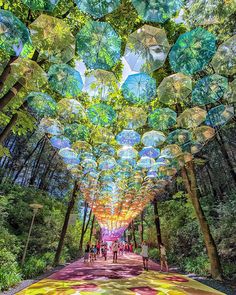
x=98 y=45
x=145 y=162
x=101 y=135
x=203 y=133
x=51 y=126
x=68 y=153
x=162 y=119
x=46 y=5
x=149 y=151
x=219 y=115
x=13 y=33
x=230 y=94
x=132 y=117
x=192 y=51
x=76 y=132
x=65 y=80
x=52 y=37
x=158 y=11
x=179 y=136
x=128 y=137
x=97 y=8
x=42 y=104
x=146 y=49
x=127 y=152
x=100 y=84
x=139 y=88
x=104 y=148
x=60 y=142
x=106 y=162
x=174 y=89
x=153 y=138
x=101 y=114
x=224 y=61
x=70 y=109
x=209 y=89
x=82 y=147
x=170 y=151
x=191 y=118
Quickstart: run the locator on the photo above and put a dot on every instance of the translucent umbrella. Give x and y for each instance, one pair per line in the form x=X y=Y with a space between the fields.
x=192 y=51
x=97 y=8
x=145 y=162
x=45 y=5
x=153 y=138
x=104 y=149
x=224 y=61
x=127 y=152
x=101 y=135
x=162 y=119
x=191 y=118
x=139 y=88
x=132 y=117
x=106 y=162
x=149 y=152
x=70 y=109
x=65 y=80
x=203 y=133
x=98 y=45
x=209 y=89
x=52 y=37
x=76 y=132
x=174 y=89
x=67 y=153
x=128 y=137
x=170 y=151
x=157 y=11
x=51 y=126
x=101 y=114
x=146 y=49
x=13 y=33
x=42 y=104
x=82 y=147
x=219 y=115
x=60 y=142
x=179 y=136
x=230 y=94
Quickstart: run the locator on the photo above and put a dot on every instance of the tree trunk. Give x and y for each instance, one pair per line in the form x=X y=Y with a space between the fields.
x=91 y=229
x=189 y=178
x=142 y=227
x=10 y=94
x=46 y=171
x=157 y=222
x=134 y=237
x=65 y=225
x=6 y=71
x=83 y=226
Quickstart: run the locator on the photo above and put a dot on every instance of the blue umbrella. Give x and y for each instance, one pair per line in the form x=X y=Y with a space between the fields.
x=209 y=89
x=153 y=138
x=13 y=33
x=219 y=115
x=98 y=45
x=139 y=88
x=149 y=152
x=128 y=137
x=146 y=162
x=192 y=51
x=97 y=8
x=157 y=11
x=65 y=80
x=45 y=5
x=60 y=142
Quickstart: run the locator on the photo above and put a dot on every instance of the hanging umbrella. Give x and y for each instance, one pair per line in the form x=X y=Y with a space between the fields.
x=98 y=45
x=170 y=151
x=150 y=152
x=106 y=162
x=153 y=138
x=101 y=135
x=97 y=8
x=133 y=117
x=82 y=147
x=52 y=37
x=158 y=11
x=70 y=110
x=76 y=132
x=230 y=94
x=101 y=114
x=60 y=142
x=146 y=49
x=45 y=5
x=139 y=88
x=13 y=33
x=203 y=133
x=145 y=162
x=67 y=153
x=191 y=118
x=100 y=84
x=219 y=115
x=174 y=89
x=127 y=152
x=179 y=136
x=51 y=126
x=224 y=61
x=104 y=148
x=128 y=137
x=162 y=119
x=192 y=51
x=42 y=104
x=209 y=89
x=65 y=80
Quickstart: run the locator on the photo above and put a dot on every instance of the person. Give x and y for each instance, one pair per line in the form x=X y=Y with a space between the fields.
x=163 y=257
x=131 y=247
x=98 y=248
x=95 y=252
x=105 y=252
x=86 y=253
x=144 y=254
x=114 y=250
x=92 y=254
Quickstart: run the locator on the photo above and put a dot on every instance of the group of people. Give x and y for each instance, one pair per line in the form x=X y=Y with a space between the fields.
x=118 y=248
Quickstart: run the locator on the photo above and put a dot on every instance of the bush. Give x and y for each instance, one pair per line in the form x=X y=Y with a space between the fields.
x=199 y=265
x=34 y=266
x=154 y=254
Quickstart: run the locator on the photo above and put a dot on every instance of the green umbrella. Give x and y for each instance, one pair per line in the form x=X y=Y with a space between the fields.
x=162 y=119
x=46 y=5
x=191 y=118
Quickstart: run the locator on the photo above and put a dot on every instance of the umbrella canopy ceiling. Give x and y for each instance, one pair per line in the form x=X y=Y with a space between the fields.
x=45 y=5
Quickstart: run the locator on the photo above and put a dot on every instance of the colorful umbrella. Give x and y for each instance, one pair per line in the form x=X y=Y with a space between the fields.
x=224 y=61
x=170 y=151
x=70 y=109
x=67 y=153
x=101 y=114
x=174 y=89
x=179 y=136
x=45 y=5
x=153 y=138
x=133 y=117
x=128 y=137
x=209 y=89
x=104 y=149
x=145 y=162
x=162 y=119
x=230 y=94
x=149 y=151
x=98 y=45
x=219 y=115
x=82 y=147
x=106 y=162
x=192 y=51
x=203 y=133
x=60 y=142
x=76 y=132
x=101 y=135
x=139 y=88
x=51 y=126
x=191 y=118
x=127 y=152
x=42 y=104
x=13 y=33
x=97 y=8
x=65 y=80
x=158 y=11
x=146 y=49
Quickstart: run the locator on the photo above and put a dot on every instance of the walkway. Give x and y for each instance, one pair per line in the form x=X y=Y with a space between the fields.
x=124 y=278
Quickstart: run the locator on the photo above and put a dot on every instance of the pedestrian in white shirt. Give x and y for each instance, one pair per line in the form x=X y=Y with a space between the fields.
x=144 y=254
x=163 y=257
x=115 y=246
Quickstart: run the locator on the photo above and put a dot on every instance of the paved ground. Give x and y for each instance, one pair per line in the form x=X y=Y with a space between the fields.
x=124 y=278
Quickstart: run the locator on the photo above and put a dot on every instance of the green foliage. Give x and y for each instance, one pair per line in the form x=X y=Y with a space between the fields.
x=198 y=265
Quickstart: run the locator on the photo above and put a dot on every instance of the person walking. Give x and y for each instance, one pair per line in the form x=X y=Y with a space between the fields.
x=92 y=254
x=86 y=253
x=163 y=257
x=144 y=254
x=115 y=250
